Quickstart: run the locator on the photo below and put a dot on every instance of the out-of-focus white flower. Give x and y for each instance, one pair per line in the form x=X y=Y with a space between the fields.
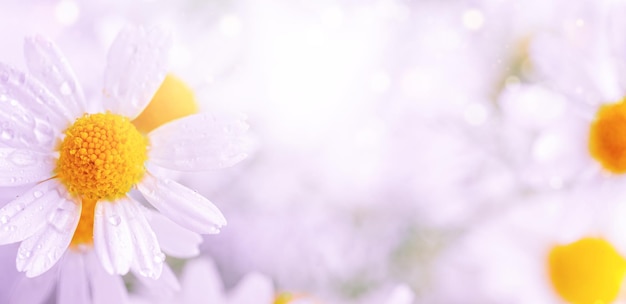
x=87 y=156
x=548 y=249
x=201 y=283
x=575 y=119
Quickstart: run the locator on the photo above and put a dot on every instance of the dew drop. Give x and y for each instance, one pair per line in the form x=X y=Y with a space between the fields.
x=4 y=219
x=115 y=220
x=159 y=257
x=38 y=194
x=7 y=134
x=65 y=89
x=10 y=228
x=23 y=254
x=19 y=207
x=213 y=230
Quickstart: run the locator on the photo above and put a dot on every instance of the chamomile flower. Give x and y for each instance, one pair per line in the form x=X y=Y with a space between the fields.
x=85 y=157
x=582 y=74
x=551 y=249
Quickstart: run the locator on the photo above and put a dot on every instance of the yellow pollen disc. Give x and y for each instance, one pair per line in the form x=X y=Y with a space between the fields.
x=173 y=100
x=607 y=137
x=101 y=157
x=287 y=297
x=588 y=271
x=84 y=231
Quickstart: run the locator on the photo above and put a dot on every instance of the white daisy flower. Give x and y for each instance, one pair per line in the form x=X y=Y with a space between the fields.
x=578 y=112
x=551 y=249
x=87 y=156
x=201 y=283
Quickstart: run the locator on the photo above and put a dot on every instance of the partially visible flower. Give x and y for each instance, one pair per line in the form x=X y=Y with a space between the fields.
x=201 y=283
x=553 y=248
x=85 y=158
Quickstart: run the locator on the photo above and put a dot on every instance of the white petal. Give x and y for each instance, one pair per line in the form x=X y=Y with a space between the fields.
x=148 y=258
x=73 y=286
x=201 y=283
x=401 y=294
x=41 y=251
x=181 y=204
x=24 y=166
x=46 y=62
x=165 y=286
x=29 y=113
x=34 y=290
x=253 y=288
x=136 y=67
x=105 y=288
x=24 y=216
x=174 y=239
x=199 y=142
x=112 y=237
x=569 y=69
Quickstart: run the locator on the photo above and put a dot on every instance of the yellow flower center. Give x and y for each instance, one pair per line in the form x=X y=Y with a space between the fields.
x=101 y=157
x=173 y=100
x=607 y=137
x=588 y=271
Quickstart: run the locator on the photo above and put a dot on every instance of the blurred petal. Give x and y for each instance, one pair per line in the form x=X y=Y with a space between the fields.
x=24 y=166
x=27 y=214
x=46 y=62
x=253 y=288
x=34 y=290
x=41 y=251
x=136 y=67
x=201 y=283
x=73 y=285
x=106 y=288
x=174 y=239
x=112 y=237
x=165 y=286
x=199 y=142
x=182 y=205
x=571 y=71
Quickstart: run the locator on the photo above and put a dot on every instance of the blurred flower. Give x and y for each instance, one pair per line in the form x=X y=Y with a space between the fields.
x=201 y=283
x=101 y=157
x=549 y=248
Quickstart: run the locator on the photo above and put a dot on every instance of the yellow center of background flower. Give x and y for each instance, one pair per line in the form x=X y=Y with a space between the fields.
x=101 y=157
x=588 y=271
x=607 y=137
x=173 y=100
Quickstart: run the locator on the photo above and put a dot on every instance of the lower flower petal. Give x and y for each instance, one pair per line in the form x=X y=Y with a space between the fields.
x=112 y=237
x=42 y=250
x=25 y=215
x=181 y=204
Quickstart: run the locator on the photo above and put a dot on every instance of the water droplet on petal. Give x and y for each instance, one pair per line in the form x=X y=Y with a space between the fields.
x=65 y=89
x=4 y=219
x=7 y=134
x=115 y=220
x=159 y=257
x=19 y=207
x=38 y=194
x=10 y=228
x=23 y=254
